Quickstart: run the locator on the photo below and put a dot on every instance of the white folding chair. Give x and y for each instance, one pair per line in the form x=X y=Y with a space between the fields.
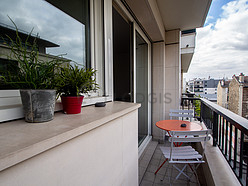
x=188 y=114
x=185 y=154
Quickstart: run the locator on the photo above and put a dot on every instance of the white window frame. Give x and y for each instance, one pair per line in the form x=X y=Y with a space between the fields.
x=101 y=50
x=148 y=137
x=13 y=110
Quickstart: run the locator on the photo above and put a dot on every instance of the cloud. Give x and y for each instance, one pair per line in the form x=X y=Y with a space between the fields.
x=209 y=18
x=222 y=48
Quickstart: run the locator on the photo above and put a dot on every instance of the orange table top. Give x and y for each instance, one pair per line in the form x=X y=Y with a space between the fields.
x=175 y=125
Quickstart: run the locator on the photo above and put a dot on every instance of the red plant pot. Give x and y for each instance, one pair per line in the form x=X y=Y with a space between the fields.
x=72 y=104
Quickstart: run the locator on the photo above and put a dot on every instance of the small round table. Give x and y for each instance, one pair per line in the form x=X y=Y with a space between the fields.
x=175 y=125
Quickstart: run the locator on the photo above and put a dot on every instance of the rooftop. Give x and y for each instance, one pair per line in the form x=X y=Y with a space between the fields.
x=245 y=83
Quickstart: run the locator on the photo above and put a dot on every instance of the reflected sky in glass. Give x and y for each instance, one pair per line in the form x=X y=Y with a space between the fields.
x=50 y=23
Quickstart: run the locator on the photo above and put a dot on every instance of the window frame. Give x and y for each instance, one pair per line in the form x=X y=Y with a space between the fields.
x=99 y=49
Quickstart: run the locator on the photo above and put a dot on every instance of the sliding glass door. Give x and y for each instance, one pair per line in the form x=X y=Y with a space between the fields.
x=142 y=86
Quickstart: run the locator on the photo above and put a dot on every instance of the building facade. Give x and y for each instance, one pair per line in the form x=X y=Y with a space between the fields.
x=210 y=86
x=238 y=95
x=204 y=88
x=222 y=93
x=198 y=86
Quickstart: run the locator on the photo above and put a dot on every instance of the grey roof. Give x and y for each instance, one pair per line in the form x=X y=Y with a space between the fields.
x=226 y=83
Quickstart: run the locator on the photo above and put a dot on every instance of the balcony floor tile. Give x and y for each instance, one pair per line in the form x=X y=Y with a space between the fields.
x=164 y=174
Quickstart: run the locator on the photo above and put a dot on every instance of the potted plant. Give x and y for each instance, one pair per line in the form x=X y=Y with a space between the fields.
x=34 y=78
x=71 y=82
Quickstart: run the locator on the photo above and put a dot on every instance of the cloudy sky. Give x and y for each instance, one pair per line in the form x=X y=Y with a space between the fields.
x=49 y=23
x=222 y=44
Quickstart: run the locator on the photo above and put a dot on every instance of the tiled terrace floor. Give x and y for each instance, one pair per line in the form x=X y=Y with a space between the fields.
x=148 y=164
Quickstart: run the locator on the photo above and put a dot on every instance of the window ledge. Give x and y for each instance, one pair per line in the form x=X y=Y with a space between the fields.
x=20 y=140
x=15 y=111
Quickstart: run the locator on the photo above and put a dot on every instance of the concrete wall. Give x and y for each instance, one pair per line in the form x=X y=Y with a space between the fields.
x=107 y=155
x=158 y=87
x=172 y=71
x=188 y=40
x=166 y=79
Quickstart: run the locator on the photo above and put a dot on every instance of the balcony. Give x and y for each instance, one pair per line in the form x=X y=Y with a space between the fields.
x=226 y=153
x=187 y=48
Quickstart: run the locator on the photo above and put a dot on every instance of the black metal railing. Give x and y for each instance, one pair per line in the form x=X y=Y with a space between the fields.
x=230 y=133
x=192 y=103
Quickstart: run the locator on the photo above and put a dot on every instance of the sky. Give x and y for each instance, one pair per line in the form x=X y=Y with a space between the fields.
x=222 y=44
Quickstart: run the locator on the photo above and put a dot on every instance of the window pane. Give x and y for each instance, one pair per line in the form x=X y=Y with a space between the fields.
x=62 y=30
x=142 y=86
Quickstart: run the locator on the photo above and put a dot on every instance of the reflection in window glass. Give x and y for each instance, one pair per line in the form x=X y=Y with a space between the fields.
x=142 y=86
x=59 y=33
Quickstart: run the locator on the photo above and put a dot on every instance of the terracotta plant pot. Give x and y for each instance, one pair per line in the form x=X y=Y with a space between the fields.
x=72 y=104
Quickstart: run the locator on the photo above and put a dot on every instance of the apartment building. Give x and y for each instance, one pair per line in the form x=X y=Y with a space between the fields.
x=238 y=95
x=205 y=88
x=198 y=86
x=210 y=86
x=222 y=93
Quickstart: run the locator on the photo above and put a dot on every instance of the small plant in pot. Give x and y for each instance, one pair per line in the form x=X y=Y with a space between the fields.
x=34 y=78
x=72 y=82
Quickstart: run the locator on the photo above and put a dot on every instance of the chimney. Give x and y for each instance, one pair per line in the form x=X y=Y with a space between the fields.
x=241 y=78
x=222 y=82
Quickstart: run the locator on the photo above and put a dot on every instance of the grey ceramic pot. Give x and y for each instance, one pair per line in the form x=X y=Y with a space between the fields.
x=38 y=105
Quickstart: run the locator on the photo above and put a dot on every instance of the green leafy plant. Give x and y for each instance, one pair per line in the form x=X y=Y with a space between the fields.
x=29 y=71
x=71 y=80
x=197 y=104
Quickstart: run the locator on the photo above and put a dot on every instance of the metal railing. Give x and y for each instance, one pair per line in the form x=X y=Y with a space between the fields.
x=230 y=133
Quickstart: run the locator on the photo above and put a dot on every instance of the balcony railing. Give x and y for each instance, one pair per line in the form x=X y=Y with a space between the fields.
x=230 y=133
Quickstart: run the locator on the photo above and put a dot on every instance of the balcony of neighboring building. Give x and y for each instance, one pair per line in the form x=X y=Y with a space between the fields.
x=187 y=48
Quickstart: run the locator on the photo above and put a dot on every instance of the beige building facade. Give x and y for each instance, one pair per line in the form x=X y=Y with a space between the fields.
x=238 y=95
x=222 y=93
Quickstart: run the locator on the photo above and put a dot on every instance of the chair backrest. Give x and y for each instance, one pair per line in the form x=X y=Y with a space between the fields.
x=181 y=113
x=190 y=136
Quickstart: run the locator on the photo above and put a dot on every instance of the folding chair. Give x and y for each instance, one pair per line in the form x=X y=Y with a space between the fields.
x=188 y=114
x=185 y=154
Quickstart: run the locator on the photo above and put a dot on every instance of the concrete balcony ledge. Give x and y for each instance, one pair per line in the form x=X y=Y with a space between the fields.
x=216 y=170
x=59 y=152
